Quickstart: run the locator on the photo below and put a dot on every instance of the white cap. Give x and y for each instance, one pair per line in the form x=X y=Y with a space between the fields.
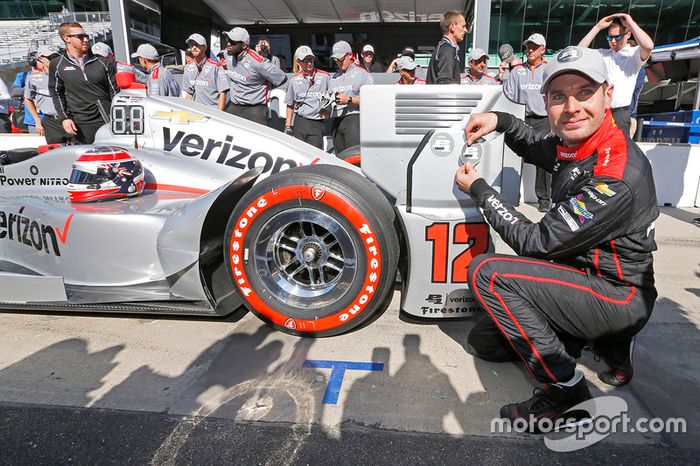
x=197 y=39
x=101 y=49
x=580 y=60
x=537 y=39
x=238 y=35
x=405 y=63
x=303 y=52
x=146 y=51
x=340 y=49
x=367 y=48
x=47 y=51
x=477 y=54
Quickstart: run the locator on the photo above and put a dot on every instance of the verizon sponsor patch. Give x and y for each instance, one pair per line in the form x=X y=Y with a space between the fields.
x=568 y=218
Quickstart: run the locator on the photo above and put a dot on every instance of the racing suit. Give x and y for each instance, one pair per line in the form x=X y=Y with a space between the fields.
x=585 y=271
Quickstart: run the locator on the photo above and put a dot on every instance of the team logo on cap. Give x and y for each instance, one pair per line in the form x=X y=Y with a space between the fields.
x=569 y=54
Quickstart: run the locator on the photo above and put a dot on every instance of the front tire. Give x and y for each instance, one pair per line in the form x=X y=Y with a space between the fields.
x=313 y=250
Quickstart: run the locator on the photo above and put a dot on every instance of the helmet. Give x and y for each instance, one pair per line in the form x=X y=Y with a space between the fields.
x=105 y=173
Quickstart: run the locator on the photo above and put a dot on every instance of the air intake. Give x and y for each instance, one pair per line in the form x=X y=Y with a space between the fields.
x=416 y=114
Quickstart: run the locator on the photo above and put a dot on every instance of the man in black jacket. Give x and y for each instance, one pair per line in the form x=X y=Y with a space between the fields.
x=80 y=83
x=445 y=66
x=584 y=273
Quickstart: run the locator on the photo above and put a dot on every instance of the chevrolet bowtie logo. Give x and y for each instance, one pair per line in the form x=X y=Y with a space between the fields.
x=180 y=117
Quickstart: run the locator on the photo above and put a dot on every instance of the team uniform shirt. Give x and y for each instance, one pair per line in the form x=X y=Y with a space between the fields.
x=349 y=83
x=304 y=91
x=76 y=85
x=523 y=86
x=415 y=81
x=483 y=80
x=623 y=68
x=140 y=76
x=161 y=82
x=36 y=89
x=205 y=81
x=250 y=76
x=5 y=98
x=444 y=66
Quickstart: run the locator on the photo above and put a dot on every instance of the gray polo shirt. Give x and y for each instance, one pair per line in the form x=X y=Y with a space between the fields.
x=205 y=81
x=304 y=91
x=349 y=83
x=140 y=76
x=250 y=76
x=523 y=86
x=483 y=80
x=161 y=82
x=36 y=89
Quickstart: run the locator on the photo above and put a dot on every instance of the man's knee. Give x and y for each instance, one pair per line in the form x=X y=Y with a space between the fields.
x=481 y=268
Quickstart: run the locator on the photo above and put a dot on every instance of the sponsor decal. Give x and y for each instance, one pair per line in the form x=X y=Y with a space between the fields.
x=34 y=170
x=317 y=192
x=606 y=161
x=580 y=208
x=31 y=233
x=425 y=310
x=69 y=68
x=603 y=188
x=555 y=169
x=180 y=117
x=593 y=196
x=223 y=152
x=568 y=218
x=575 y=173
x=567 y=155
x=47 y=181
x=434 y=298
x=502 y=210
x=291 y=323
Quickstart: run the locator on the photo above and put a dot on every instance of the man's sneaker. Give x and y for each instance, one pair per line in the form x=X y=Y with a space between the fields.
x=549 y=402
x=486 y=342
x=619 y=360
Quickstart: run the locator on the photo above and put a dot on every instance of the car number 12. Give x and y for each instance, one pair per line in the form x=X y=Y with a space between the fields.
x=474 y=235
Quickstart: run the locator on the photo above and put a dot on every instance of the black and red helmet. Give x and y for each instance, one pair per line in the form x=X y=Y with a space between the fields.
x=105 y=173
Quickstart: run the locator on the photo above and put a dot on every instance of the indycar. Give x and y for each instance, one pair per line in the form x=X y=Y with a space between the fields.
x=236 y=214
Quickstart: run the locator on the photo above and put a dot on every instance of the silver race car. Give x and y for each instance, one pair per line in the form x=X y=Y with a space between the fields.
x=228 y=213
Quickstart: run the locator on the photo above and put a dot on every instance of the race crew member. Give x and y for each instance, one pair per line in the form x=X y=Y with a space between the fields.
x=128 y=76
x=263 y=48
x=367 y=59
x=160 y=81
x=204 y=80
x=346 y=83
x=523 y=86
x=38 y=98
x=478 y=61
x=81 y=84
x=407 y=70
x=250 y=77
x=444 y=66
x=622 y=60
x=584 y=273
x=303 y=98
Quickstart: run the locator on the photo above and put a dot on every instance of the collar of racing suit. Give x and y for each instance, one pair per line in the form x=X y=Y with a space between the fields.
x=584 y=150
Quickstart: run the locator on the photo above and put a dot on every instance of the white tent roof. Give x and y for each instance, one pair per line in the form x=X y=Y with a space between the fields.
x=237 y=12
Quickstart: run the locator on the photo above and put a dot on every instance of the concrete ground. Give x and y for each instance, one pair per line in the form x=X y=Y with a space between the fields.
x=424 y=388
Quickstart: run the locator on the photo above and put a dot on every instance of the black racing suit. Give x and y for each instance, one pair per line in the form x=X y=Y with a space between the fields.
x=77 y=86
x=444 y=66
x=585 y=271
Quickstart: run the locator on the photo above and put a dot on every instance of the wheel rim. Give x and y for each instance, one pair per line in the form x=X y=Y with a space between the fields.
x=305 y=258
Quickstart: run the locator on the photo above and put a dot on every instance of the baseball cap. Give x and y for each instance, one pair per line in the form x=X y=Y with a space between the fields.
x=303 y=52
x=505 y=52
x=101 y=49
x=476 y=54
x=46 y=51
x=405 y=63
x=367 y=48
x=340 y=49
x=535 y=39
x=238 y=35
x=581 y=60
x=146 y=51
x=197 y=39
x=408 y=51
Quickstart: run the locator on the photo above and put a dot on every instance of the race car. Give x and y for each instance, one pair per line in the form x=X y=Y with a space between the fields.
x=229 y=213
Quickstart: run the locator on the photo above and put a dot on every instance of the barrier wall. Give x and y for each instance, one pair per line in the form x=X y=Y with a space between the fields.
x=676 y=170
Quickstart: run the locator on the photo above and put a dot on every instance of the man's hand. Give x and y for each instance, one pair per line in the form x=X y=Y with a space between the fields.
x=480 y=124
x=466 y=175
x=625 y=20
x=39 y=128
x=605 y=22
x=288 y=131
x=69 y=127
x=342 y=99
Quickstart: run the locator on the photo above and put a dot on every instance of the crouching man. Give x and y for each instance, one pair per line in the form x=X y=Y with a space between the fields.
x=584 y=273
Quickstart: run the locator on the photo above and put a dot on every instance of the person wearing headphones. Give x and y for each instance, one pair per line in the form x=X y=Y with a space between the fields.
x=302 y=99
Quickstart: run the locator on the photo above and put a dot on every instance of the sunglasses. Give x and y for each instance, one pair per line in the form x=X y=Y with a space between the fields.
x=617 y=38
x=79 y=36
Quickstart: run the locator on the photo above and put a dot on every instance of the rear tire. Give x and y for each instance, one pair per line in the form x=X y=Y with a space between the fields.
x=351 y=155
x=313 y=250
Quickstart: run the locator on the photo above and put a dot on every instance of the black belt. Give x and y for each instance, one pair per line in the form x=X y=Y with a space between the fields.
x=249 y=105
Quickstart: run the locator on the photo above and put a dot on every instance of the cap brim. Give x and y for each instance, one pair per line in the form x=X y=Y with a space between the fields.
x=135 y=55
x=337 y=56
x=533 y=42
x=306 y=55
x=479 y=57
x=595 y=77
